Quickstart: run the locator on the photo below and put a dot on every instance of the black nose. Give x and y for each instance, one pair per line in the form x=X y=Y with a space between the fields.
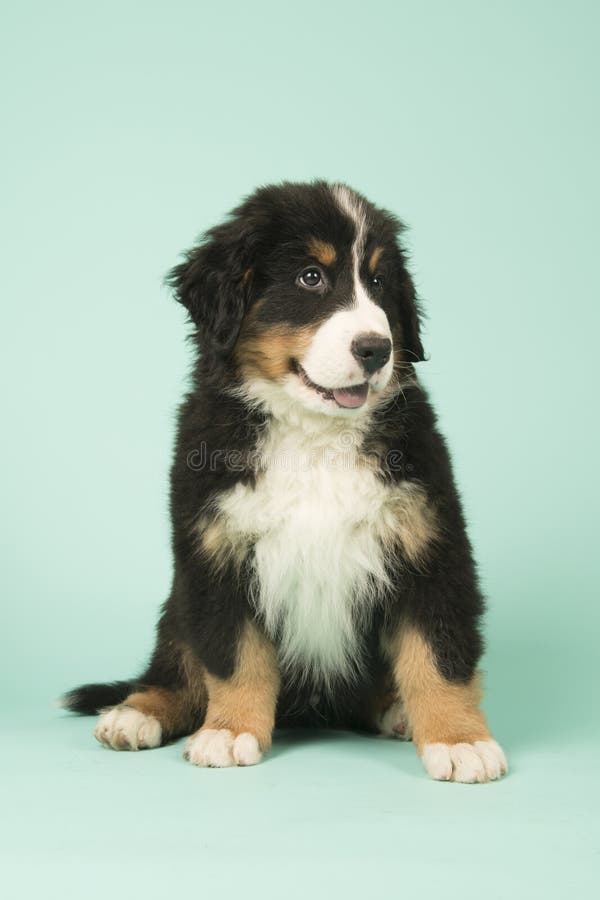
x=371 y=351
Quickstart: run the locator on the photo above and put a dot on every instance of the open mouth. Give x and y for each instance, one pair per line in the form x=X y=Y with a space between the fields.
x=346 y=397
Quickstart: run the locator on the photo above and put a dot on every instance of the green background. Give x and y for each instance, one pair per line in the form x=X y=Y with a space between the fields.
x=128 y=129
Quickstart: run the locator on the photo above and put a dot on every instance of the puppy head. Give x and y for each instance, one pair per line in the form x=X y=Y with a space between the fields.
x=304 y=295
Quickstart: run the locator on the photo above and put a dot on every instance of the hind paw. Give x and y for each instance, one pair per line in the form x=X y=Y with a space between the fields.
x=125 y=728
x=394 y=723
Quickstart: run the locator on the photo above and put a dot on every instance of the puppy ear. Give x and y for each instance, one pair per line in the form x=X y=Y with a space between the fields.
x=410 y=320
x=213 y=284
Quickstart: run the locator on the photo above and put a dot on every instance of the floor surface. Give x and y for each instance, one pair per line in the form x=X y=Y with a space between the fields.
x=326 y=814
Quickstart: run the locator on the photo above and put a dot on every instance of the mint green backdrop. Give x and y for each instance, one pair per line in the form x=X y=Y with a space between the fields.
x=128 y=129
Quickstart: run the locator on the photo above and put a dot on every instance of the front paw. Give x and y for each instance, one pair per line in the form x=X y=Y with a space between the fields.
x=468 y=763
x=218 y=748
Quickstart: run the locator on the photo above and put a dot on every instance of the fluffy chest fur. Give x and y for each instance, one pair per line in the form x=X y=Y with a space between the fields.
x=319 y=524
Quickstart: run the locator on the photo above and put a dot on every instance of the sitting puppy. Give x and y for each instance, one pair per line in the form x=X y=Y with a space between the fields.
x=323 y=575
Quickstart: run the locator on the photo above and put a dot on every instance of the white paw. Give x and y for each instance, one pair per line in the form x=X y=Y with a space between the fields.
x=394 y=723
x=469 y=763
x=246 y=751
x=125 y=728
x=218 y=749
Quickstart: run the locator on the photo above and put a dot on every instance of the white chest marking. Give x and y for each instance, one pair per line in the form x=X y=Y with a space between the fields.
x=319 y=521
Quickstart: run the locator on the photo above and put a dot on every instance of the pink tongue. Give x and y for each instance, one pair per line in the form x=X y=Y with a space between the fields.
x=351 y=397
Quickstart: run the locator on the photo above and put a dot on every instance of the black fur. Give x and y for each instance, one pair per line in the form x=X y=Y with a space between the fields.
x=89 y=699
x=253 y=256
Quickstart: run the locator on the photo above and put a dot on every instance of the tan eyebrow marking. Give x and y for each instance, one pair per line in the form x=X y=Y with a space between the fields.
x=375 y=257
x=323 y=251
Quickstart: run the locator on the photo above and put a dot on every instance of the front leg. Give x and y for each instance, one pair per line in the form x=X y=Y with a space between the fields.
x=226 y=648
x=241 y=708
x=448 y=727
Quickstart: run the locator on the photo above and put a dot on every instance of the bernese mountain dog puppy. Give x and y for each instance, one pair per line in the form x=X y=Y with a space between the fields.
x=323 y=575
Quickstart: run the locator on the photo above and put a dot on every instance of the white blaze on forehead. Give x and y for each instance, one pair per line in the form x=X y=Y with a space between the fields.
x=350 y=204
x=353 y=207
x=329 y=360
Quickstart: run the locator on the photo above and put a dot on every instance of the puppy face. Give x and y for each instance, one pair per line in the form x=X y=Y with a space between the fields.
x=304 y=293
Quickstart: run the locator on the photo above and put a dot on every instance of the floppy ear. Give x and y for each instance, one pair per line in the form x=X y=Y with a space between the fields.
x=212 y=284
x=410 y=320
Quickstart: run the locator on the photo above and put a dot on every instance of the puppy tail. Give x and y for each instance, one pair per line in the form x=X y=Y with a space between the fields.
x=89 y=699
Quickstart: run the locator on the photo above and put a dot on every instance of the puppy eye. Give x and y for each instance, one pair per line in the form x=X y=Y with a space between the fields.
x=310 y=278
x=377 y=281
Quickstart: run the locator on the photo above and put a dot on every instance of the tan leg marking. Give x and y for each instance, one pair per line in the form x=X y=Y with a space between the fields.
x=241 y=710
x=246 y=702
x=448 y=727
x=439 y=710
x=323 y=251
x=147 y=718
x=177 y=711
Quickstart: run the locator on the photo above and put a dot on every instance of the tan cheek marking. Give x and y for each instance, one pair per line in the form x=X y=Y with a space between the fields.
x=439 y=711
x=374 y=260
x=246 y=701
x=268 y=352
x=323 y=251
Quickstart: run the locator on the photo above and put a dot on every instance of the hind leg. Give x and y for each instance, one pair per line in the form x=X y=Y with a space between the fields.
x=150 y=717
x=393 y=721
x=387 y=714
